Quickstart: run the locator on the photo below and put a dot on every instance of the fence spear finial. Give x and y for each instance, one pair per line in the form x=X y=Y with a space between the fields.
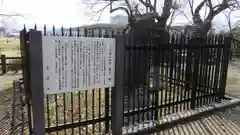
x=35 y=26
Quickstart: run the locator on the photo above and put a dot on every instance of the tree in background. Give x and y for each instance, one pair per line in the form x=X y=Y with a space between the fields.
x=232 y=28
x=203 y=24
x=139 y=11
x=165 y=11
x=231 y=25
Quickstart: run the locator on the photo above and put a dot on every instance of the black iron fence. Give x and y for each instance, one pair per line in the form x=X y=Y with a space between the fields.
x=153 y=80
x=10 y=64
x=184 y=73
x=235 y=54
x=235 y=50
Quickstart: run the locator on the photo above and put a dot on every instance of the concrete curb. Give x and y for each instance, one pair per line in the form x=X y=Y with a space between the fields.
x=179 y=118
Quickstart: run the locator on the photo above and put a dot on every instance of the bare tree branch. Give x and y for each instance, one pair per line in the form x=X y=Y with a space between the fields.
x=166 y=10
x=148 y=5
x=120 y=8
x=170 y=9
x=196 y=15
x=155 y=4
x=13 y=15
x=185 y=15
x=191 y=3
x=209 y=2
x=129 y=7
x=231 y=27
x=204 y=23
x=199 y=7
x=171 y=19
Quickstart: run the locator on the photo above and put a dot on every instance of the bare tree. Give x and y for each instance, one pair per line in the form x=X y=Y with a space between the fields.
x=6 y=16
x=139 y=10
x=203 y=24
x=232 y=27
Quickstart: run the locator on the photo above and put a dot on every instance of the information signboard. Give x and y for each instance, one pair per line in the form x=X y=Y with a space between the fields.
x=77 y=63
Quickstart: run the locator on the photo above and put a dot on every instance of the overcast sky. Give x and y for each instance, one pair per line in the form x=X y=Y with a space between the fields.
x=68 y=13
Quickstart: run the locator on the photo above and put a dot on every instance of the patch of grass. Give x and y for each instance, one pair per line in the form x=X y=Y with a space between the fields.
x=10 y=52
x=10 y=47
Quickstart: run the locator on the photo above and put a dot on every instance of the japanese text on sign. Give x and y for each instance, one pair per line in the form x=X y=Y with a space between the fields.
x=76 y=63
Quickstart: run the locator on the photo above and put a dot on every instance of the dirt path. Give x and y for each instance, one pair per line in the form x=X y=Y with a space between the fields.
x=233 y=81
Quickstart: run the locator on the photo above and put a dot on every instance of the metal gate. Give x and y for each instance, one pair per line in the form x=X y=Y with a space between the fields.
x=154 y=80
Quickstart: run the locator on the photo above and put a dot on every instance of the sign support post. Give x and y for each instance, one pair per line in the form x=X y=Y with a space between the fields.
x=117 y=92
x=36 y=82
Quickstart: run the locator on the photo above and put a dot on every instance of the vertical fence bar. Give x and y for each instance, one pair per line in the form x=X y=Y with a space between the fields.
x=171 y=63
x=117 y=92
x=175 y=63
x=3 y=64
x=199 y=45
x=226 y=53
x=183 y=94
x=156 y=72
x=202 y=75
x=195 y=74
x=106 y=94
x=217 y=70
x=188 y=70
x=36 y=86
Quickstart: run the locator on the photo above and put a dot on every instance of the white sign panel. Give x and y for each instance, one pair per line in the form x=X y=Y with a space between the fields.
x=77 y=63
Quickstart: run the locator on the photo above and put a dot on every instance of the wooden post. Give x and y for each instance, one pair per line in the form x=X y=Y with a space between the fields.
x=13 y=124
x=3 y=64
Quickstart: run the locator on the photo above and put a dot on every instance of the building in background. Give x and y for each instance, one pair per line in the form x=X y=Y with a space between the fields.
x=177 y=29
x=95 y=30
x=3 y=32
x=119 y=20
x=13 y=33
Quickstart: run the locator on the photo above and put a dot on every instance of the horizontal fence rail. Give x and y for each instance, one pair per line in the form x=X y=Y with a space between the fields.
x=10 y=64
x=235 y=54
x=235 y=50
